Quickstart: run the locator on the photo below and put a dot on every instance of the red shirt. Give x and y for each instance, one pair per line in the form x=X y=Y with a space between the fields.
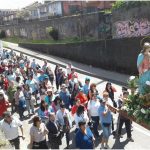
x=5 y=84
x=83 y=98
x=70 y=75
x=3 y=107
x=74 y=109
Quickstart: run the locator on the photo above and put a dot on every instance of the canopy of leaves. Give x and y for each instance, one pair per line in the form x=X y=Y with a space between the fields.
x=129 y=4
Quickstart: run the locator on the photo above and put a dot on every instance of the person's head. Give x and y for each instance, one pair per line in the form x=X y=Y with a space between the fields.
x=62 y=107
x=76 y=86
x=82 y=125
x=80 y=110
x=18 y=79
x=72 y=70
x=94 y=96
x=78 y=102
x=146 y=49
x=105 y=95
x=66 y=81
x=108 y=85
x=7 y=116
x=57 y=100
x=87 y=80
x=43 y=105
x=19 y=88
x=69 y=65
x=52 y=117
x=125 y=94
x=50 y=92
x=30 y=76
x=93 y=86
x=63 y=87
x=124 y=89
x=36 y=121
x=45 y=62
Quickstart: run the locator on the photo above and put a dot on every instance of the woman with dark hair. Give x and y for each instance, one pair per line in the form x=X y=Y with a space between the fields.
x=56 y=103
x=50 y=74
x=110 y=90
x=42 y=112
x=56 y=76
x=81 y=115
x=74 y=93
x=38 y=134
x=92 y=90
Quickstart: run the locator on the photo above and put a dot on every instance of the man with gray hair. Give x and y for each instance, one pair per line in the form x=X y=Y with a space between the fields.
x=54 y=134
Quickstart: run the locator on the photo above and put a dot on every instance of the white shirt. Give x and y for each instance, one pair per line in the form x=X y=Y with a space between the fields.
x=10 y=130
x=83 y=117
x=93 y=107
x=109 y=102
x=38 y=134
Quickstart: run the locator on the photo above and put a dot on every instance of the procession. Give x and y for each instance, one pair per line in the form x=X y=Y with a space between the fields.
x=57 y=100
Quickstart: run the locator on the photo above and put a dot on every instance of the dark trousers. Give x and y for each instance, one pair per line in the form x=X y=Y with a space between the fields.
x=127 y=125
x=54 y=145
x=57 y=84
x=95 y=119
x=21 y=111
x=112 y=124
x=67 y=137
x=15 y=142
x=40 y=145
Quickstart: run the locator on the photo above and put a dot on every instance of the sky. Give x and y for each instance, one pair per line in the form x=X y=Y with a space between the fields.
x=15 y=4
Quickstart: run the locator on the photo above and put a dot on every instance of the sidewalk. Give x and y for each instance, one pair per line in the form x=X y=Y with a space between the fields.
x=113 y=77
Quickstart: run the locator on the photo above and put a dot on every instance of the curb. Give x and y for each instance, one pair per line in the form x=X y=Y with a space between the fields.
x=78 y=70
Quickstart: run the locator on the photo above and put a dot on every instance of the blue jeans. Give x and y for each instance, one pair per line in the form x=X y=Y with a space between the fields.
x=95 y=119
x=106 y=131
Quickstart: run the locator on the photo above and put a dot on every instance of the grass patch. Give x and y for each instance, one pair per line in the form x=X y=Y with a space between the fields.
x=47 y=41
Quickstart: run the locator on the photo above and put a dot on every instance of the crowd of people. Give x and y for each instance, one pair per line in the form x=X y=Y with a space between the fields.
x=64 y=101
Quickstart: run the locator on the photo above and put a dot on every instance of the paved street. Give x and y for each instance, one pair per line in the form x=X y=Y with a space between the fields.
x=141 y=136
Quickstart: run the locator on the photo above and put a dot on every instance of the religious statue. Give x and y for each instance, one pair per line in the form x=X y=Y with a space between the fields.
x=143 y=64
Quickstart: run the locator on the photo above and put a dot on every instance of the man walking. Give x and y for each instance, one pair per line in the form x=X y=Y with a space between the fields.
x=9 y=125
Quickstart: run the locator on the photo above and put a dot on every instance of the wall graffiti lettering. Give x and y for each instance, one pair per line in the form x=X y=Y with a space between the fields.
x=130 y=28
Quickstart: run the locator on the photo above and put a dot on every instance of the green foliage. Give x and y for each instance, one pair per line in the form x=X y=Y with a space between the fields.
x=2 y=34
x=129 y=4
x=53 y=33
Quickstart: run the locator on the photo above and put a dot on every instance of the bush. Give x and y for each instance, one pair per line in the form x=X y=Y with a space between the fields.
x=129 y=4
x=2 y=34
x=53 y=33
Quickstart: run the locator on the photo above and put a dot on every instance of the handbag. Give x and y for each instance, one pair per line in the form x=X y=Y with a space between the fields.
x=106 y=124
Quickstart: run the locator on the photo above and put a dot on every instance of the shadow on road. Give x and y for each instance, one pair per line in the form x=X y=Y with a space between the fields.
x=119 y=145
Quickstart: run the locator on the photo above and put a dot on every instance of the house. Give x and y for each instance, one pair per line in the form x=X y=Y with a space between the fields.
x=72 y=7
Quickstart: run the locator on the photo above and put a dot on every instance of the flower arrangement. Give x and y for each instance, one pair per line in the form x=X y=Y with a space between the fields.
x=138 y=105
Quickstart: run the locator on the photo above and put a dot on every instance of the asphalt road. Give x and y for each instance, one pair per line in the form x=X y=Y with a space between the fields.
x=140 y=135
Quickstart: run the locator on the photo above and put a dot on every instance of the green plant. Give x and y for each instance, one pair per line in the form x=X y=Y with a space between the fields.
x=53 y=33
x=129 y=4
x=2 y=34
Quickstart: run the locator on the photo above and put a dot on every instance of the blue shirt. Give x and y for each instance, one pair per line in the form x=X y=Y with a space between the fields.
x=41 y=113
x=65 y=96
x=104 y=119
x=48 y=100
x=86 y=89
x=42 y=77
x=84 y=141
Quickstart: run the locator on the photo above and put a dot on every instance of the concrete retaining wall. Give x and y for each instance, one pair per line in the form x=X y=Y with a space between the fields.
x=117 y=55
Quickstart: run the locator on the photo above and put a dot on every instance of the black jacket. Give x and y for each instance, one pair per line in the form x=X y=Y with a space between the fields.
x=54 y=134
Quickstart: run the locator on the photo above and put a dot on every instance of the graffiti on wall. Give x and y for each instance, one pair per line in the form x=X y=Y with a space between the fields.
x=132 y=28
